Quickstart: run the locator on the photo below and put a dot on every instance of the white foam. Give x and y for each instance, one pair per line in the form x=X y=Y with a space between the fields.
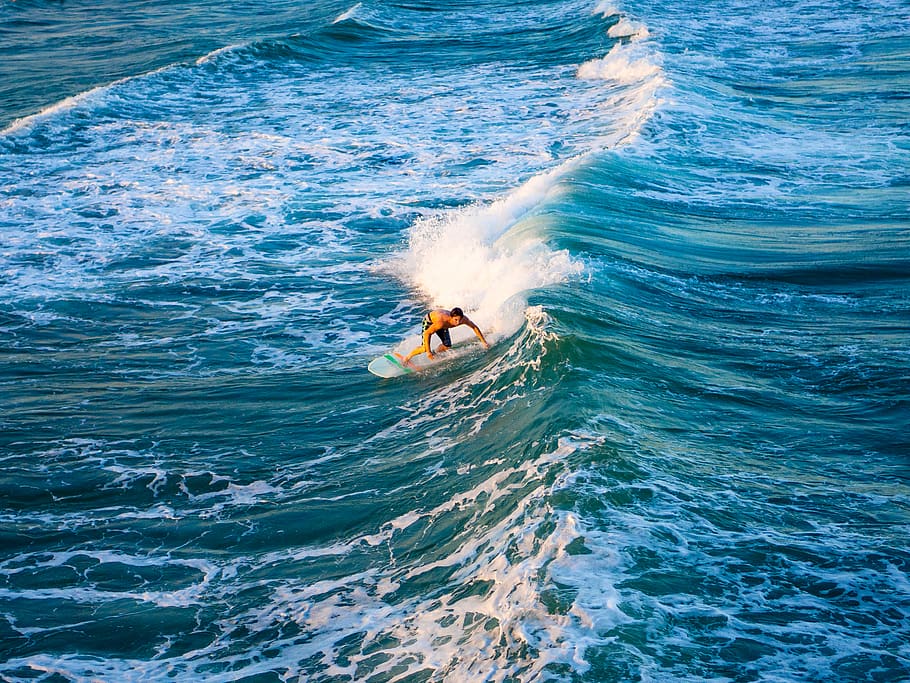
x=620 y=65
x=214 y=54
x=626 y=28
x=606 y=8
x=478 y=258
x=201 y=570
x=515 y=550
x=52 y=110
x=70 y=103
x=349 y=14
x=468 y=258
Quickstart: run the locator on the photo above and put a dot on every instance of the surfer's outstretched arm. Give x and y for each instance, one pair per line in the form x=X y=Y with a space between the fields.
x=469 y=323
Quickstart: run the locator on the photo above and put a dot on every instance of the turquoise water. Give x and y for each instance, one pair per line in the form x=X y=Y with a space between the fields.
x=686 y=234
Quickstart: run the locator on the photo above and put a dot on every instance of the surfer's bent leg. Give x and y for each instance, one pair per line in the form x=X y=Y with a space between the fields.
x=446 y=340
x=427 y=322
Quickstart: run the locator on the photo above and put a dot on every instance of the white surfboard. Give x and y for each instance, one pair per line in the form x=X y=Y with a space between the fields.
x=392 y=364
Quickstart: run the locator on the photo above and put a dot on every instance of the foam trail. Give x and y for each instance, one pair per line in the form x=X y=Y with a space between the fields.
x=481 y=634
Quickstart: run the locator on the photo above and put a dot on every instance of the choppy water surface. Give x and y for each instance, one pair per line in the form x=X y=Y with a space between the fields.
x=685 y=233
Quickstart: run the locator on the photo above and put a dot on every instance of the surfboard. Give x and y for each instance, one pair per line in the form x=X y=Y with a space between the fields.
x=392 y=364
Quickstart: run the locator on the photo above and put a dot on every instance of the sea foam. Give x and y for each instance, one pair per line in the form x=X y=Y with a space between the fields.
x=480 y=257
x=473 y=258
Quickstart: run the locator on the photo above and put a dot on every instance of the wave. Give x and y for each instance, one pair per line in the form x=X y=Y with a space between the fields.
x=89 y=97
x=487 y=258
x=482 y=256
x=348 y=14
x=470 y=258
x=239 y=197
x=697 y=340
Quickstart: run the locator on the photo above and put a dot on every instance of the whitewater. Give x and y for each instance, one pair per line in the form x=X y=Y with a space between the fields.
x=685 y=234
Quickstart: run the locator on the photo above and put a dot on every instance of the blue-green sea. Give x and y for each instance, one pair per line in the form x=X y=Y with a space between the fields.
x=683 y=227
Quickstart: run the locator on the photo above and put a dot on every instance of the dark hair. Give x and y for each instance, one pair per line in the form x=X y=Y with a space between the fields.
x=457 y=312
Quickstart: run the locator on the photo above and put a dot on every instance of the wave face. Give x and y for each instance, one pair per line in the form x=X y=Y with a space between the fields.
x=685 y=234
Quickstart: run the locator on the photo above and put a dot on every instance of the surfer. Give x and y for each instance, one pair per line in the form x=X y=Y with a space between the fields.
x=439 y=322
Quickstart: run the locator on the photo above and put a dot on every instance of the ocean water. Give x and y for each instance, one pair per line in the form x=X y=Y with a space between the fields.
x=684 y=228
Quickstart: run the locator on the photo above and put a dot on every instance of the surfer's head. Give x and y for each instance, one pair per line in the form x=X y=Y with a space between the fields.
x=457 y=313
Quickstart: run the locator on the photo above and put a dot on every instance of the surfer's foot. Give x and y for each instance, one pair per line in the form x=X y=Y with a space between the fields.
x=442 y=347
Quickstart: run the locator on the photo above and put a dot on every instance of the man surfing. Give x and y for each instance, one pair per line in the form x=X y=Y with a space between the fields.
x=439 y=322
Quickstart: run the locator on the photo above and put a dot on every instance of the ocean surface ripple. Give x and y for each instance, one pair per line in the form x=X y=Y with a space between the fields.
x=686 y=234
